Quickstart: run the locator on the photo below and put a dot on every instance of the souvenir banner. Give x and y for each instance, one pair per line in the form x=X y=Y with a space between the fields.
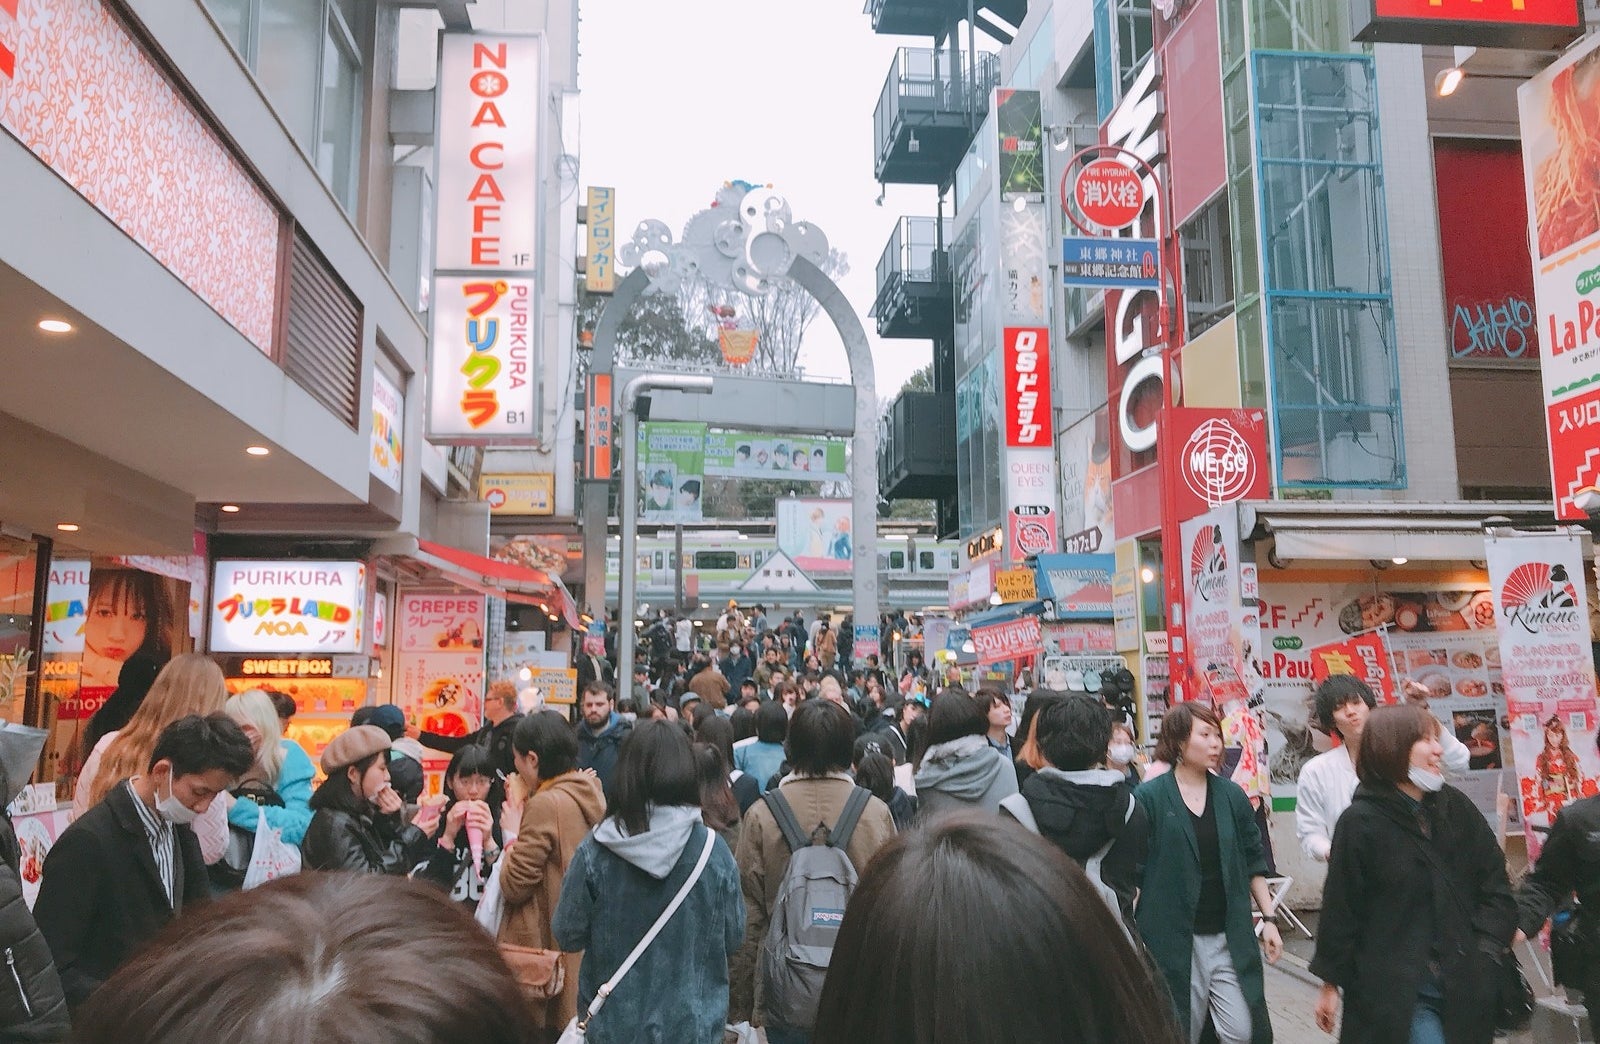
x=1012 y=640
x=731 y=454
x=1542 y=616
x=1365 y=656
x=672 y=457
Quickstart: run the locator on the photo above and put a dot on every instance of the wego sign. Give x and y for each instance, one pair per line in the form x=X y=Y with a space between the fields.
x=1221 y=458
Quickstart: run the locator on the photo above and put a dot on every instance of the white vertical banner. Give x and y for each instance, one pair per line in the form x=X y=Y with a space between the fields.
x=1547 y=667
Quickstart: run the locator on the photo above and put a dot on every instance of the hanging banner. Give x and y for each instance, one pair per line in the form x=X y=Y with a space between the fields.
x=1542 y=617
x=1223 y=632
x=671 y=458
x=1365 y=657
x=1012 y=640
x=731 y=454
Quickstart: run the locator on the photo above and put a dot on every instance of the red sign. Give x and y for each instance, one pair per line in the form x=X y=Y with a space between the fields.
x=1032 y=531
x=1366 y=656
x=1109 y=193
x=1489 y=307
x=1574 y=433
x=1027 y=388
x=1537 y=24
x=1221 y=458
x=598 y=432
x=1011 y=640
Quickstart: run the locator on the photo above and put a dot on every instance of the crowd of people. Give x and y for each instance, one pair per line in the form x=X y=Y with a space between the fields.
x=684 y=868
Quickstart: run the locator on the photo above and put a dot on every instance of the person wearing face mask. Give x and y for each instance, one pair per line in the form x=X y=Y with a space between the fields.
x=356 y=822
x=737 y=666
x=1417 y=913
x=132 y=863
x=1122 y=755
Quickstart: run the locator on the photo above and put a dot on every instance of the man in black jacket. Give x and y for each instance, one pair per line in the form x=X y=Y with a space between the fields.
x=500 y=721
x=132 y=863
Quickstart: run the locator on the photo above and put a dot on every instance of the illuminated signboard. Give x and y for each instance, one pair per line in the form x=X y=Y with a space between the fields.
x=1532 y=24
x=287 y=607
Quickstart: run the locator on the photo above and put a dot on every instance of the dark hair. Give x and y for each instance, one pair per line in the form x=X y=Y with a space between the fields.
x=1073 y=733
x=1037 y=700
x=953 y=715
x=917 y=740
x=1177 y=724
x=988 y=696
x=599 y=686
x=283 y=703
x=1015 y=901
x=547 y=734
x=194 y=745
x=336 y=793
x=874 y=769
x=718 y=807
x=1384 y=754
x=474 y=759
x=655 y=768
x=717 y=731
x=310 y=957
x=1339 y=690
x=743 y=723
x=702 y=712
x=821 y=738
x=772 y=722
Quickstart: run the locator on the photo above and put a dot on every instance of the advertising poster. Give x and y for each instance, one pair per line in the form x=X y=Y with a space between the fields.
x=66 y=607
x=1085 y=458
x=1213 y=611
x=1366 y=657
x=1020 y=121
x=1547 y=667
x=671 y=470
x=388 y=426
x=1557 y=138
x=439 y=660
x=1012 y=640
x=286 y=606
x=800 y=459
x=815 y=534
x=868 y=640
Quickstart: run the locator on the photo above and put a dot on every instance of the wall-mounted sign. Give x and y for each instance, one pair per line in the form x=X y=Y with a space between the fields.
x=1133 y=264
x=523 y=494
x=1027 y=388
x=597 y=429
x=986 y=543
x=480 y=385
x=1012 y=640
x=1530 y=24
x=1080 y=585
x=287 y=606
x=1222 y=458
x=1020 y=125
x=1109 y=193
x=600 y=268
x=1017 y=585
x=388 y=430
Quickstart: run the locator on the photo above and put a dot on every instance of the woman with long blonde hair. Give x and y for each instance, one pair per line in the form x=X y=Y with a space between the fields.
x=189 y=684
x=281 y=764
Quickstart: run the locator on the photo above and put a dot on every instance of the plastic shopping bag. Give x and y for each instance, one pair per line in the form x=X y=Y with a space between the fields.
x=270 y=858
x=491 y=906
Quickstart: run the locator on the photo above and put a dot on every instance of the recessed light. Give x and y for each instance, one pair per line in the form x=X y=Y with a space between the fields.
x=1399 y=560
x=257 y=451
x=67 y=527
x=231 y=509
x=55 y=326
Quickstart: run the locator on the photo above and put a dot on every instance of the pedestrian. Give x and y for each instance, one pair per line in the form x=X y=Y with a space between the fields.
x=875 y=771
x=600 y=733
x=960 y=768
x=901 y=976
x=825 y=645
x=405 y=753
x=468 y=838
x=314 y=957
x=624 y=878
x=562 y=806
x=998 y=706
x=280 y=765
x=285 y=706
x=1203 y=867
x=131 y=863
x=501 y=713
x=718 y=731
x=357 y=816
x=761 y=759
x=1123 y=754
x=708 y=684
x=820 y=746
x=36 y=1011
x=1417 y=913
x=134 y=680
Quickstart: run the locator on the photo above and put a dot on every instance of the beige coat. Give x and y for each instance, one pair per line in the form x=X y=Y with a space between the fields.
x=763 y=857
x=711 y=687
x=554 y=821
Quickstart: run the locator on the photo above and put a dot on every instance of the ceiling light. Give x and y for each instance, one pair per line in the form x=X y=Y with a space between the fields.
x=257 y=451
x=1448 y=80
x=55 y=326
x=67 y=527
x=1399 y=560
x=232 y=509
x=1019 y=204
x=1148 y=575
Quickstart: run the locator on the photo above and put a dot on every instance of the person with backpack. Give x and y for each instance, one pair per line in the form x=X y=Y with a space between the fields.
x=800 y=851
x=1082 y=807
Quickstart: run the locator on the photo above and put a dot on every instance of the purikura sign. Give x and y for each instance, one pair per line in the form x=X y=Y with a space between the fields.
x=1012 y=640
x=1547 y=668
x=287 y=607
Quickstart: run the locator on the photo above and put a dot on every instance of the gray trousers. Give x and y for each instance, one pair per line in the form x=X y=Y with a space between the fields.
x=1214 y=986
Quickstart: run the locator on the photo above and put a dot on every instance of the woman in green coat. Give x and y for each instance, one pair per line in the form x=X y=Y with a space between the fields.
x=1203 y=868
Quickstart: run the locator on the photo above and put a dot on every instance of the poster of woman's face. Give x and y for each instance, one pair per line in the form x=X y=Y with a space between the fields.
x=129 y=611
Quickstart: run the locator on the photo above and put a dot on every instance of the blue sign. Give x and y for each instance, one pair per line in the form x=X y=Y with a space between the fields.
x=868 y=641
x=1080 y=585
x=1099 y=262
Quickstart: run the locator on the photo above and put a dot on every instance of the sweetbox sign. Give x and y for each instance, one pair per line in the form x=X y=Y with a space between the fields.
x=287 y=607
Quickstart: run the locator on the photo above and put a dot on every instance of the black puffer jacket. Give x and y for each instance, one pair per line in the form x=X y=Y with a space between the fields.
x=339 y=840
x=1080 y=812
x=33 y=1007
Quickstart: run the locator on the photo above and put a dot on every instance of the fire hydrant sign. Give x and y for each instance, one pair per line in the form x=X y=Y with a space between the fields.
x=1109 y=194
x=1542 y=616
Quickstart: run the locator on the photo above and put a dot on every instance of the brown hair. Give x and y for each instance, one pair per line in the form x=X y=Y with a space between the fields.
x=1384 y=754
x=314 y=957
x=190 y=684
x=1029 y=753
x=504 y=691
x=1176 y=726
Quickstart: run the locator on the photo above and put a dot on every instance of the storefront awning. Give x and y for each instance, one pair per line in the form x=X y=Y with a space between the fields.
x=487 y=576
x=1335 y=531
x=1003 y=614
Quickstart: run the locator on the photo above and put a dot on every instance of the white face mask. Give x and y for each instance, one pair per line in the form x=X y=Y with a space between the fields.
x=1425 y=781
x=1121 y=753
x=173 y=810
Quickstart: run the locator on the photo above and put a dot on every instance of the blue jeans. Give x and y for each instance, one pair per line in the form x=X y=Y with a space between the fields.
x=1427 y=1020
x=784 y=1035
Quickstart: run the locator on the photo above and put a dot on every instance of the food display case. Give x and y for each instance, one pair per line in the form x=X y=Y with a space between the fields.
x=326 y=690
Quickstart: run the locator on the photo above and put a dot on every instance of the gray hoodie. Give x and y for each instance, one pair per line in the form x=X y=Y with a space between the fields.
x=964 y=773
x=657 y=849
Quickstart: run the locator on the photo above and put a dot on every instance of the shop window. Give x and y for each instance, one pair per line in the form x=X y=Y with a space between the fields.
x=1334 y=363
x=1207 y=266
x=304 y=54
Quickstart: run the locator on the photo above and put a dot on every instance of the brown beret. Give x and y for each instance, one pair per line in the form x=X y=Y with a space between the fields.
x=353 y=745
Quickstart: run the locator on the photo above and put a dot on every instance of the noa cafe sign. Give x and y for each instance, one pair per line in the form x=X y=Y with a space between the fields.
x=287 y=606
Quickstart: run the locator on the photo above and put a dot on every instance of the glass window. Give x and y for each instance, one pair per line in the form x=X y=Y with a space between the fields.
x=925 y=561
x=287 y=59
x=337 y=153
x=234 y=18
x=716 y=560
x=897 y=561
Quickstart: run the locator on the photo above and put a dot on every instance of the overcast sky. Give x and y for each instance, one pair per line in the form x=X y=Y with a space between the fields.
x=679 y=97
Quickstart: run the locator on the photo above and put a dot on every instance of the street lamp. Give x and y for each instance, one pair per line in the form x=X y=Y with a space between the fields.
x=692 y=383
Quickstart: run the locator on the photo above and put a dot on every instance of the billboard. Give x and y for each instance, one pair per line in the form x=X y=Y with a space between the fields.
x=480 y=377
x=815 y=533
x=672 y=458
x=1019 y=119
x=287 y=606
x=1529 y=24
x=735 y=455
x=1560 y=187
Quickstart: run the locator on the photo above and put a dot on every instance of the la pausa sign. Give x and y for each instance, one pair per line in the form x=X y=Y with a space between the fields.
x=288 y=607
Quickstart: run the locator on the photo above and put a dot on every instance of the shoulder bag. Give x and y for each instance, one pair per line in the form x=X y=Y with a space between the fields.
x=577 y=1030
x=542 y=974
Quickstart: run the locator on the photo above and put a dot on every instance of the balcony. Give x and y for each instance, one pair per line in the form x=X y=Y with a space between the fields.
x=917 y=454
x=937 y=17
x=914 y=290
x=929 y=109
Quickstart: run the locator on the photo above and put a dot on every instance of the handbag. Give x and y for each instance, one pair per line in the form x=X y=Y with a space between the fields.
x=542 y=974
x=577 y=1030
x=229 y=872
x=272 y=857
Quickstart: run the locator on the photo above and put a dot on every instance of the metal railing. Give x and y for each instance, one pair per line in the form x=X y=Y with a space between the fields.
x=916 y=253
x=924 y=80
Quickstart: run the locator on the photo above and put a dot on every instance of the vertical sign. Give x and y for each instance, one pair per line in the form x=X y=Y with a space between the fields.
x=388 y=426
x=597 y=429
x=600 y=272
x=486 y=235
x=1542 y=615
